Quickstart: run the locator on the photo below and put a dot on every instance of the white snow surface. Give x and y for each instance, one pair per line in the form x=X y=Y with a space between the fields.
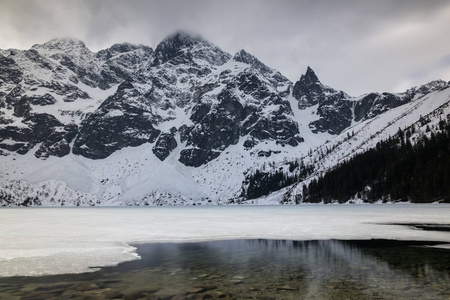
x=38 y=241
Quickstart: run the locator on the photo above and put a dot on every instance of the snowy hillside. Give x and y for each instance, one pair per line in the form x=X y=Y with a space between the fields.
x=421 y=116
x=186 y=123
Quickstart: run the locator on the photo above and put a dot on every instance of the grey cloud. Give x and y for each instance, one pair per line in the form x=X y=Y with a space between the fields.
x=357 y=46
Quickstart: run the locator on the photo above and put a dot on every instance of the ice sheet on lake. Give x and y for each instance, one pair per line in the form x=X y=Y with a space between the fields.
x=36 y=241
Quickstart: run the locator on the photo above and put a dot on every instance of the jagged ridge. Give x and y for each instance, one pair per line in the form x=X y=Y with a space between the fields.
x=187 y=120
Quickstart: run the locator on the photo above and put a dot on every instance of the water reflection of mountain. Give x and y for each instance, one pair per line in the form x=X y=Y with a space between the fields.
x=384 y=267
x=415 y=258
x=275 y=269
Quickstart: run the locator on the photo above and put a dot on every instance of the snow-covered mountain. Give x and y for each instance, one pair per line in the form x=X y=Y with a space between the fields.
x=184 y=123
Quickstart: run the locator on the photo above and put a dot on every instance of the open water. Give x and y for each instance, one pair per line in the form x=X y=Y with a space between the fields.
x=257 y=269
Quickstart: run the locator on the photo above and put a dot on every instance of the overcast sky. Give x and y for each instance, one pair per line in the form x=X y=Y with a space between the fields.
x=353 y=45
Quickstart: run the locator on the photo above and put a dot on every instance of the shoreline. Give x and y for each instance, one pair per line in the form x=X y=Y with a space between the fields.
x=54 y=241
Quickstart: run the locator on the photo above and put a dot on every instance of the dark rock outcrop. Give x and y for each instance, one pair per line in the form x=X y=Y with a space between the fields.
x=57 y=143
x=223 y=124
x=10 y=71
x=375 y=104
x=41 y=128
x=116 y=124
x=335 y=116
x=165 y=144
x=194 y=157
x=308 y=90
x=334 y=107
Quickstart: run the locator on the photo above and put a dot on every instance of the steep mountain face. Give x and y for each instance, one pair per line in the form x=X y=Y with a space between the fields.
x=337 y=110
x=197 y=94
x=185 y=123
x=47 y=90
x=103 y=69
x=374 y=104
x=418 y=119
x=333 y=107
x=121 y=61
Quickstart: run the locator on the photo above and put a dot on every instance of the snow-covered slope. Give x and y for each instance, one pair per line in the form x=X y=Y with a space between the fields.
x=186 y=123
x=421 y=116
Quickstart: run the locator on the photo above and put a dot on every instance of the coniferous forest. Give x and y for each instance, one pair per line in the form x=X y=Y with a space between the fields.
x=395 y=170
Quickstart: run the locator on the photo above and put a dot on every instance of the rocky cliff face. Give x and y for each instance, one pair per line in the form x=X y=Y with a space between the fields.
x=204 y=118
x=337 y=110
x=47 y=90
x=194 y=92
x=333 y=107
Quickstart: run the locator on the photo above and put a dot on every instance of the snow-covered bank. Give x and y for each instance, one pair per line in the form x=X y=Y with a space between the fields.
x=38 y=241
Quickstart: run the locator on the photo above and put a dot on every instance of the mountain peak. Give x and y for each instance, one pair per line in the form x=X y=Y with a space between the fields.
x=61 y=45
x=180 y=43
x=183 y=37
x=119 y=48
x=309 y=77
x=174 y=45
x=274 y=76
x=310 y=91
x=432 y=86
x=243 y=56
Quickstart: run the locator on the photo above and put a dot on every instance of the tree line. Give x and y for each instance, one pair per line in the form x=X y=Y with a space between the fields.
x=262 y=183
x=395 y=170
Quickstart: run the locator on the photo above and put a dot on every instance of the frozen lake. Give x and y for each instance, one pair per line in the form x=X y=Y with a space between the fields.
x=38 y=241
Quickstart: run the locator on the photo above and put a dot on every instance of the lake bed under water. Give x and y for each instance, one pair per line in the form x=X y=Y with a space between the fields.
x=245 y=252
x=257 y=269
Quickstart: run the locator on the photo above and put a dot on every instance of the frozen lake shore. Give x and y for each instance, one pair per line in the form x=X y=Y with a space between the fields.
x=40 y=241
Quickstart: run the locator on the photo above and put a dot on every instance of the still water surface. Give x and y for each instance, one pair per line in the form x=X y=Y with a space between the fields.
x=256 y=269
